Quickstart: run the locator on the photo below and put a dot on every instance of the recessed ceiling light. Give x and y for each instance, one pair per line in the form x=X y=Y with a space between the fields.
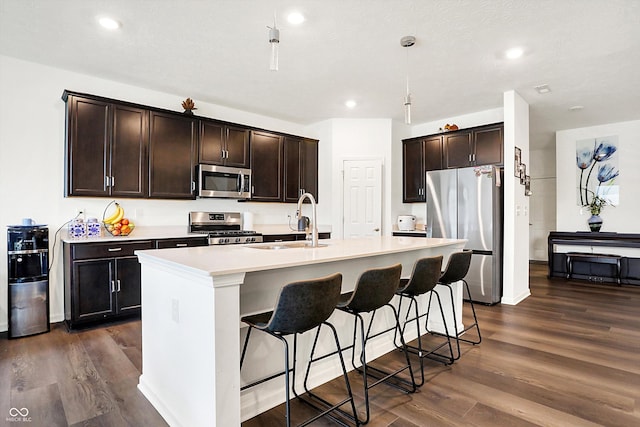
x=295 y=18
x=514 y=53
x=542 y=89
x=576 y=108
x=351 y=104
x=109 y=23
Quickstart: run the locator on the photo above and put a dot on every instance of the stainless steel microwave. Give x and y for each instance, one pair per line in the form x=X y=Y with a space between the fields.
x=224 y=181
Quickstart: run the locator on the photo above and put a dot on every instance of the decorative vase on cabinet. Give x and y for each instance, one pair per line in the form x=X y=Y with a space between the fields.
x=595 y=222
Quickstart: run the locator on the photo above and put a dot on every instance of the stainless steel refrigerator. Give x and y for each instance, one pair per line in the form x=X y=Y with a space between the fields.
x=467 y=204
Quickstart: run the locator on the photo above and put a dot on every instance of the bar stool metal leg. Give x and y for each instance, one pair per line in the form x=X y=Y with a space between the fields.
x=353 y=416
x=301 y=306
x=458 y=334
x=456 y=270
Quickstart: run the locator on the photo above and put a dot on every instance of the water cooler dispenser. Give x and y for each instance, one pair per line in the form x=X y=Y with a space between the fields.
x=28 y=255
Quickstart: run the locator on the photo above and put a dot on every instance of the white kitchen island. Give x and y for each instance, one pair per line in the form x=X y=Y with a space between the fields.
x=192 y=301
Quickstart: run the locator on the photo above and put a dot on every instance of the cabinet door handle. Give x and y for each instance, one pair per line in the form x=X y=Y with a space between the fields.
x=118 y=281
x=113 y=286
x=193 y=186
x=106 y=181
x=114 y=249
x=113 y=181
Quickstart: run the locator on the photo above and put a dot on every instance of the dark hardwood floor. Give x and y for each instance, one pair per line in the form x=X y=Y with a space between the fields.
x=569 y=355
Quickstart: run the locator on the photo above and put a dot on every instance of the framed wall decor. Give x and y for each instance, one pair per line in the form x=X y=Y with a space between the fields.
x=517 y=162
x=523 y=173
x=527 y=185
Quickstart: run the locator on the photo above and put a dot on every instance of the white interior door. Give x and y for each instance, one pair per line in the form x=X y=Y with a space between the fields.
x=362 y=192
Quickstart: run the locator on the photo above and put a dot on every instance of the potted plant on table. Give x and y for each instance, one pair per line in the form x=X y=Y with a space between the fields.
x=596 y=205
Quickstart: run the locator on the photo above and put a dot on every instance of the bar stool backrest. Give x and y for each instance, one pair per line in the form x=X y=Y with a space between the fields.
x=305 y=304
x=457 y=267
x=424 y=277
x=375 y=288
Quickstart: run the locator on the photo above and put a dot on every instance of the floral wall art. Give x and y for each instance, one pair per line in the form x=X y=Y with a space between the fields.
x=597 y=162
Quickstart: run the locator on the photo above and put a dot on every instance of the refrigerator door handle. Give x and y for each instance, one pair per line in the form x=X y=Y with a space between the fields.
x=496 y=173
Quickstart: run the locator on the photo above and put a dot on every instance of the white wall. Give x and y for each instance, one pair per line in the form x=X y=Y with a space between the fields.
x=516 y=204
x=359 y=139
x=622 y=218
x=543 y=200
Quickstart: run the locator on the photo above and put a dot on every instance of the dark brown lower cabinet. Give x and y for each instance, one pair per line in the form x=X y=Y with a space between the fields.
x=102 y=280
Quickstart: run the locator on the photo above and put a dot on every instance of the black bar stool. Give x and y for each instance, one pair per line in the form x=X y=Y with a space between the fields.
x=457 y=269
x=374 y=289
x=302 y=306
x=423 y=280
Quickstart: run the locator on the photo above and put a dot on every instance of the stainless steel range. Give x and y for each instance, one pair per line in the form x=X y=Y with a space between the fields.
x=223 y=228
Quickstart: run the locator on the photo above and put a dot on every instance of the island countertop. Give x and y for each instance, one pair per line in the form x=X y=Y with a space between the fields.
x=231 y=259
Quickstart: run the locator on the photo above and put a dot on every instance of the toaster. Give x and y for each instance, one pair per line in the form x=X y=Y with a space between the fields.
x=406 y=222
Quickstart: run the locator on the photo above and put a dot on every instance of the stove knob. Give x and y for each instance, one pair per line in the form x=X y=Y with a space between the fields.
x=224 y=240
x=237 y=240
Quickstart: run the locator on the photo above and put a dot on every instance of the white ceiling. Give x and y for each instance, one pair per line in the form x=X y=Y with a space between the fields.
x=587 y=51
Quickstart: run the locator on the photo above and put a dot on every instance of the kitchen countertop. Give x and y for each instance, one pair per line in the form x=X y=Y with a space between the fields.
x=231 y=259
x=176 y=231
x=138 y=233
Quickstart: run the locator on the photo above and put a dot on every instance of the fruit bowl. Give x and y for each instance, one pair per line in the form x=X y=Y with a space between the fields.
x=116 y=224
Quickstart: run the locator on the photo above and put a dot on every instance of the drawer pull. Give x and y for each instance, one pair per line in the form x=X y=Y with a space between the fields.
x=180 y=245
x=114 y=249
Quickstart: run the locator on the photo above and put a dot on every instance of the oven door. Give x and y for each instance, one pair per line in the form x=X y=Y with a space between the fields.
x=225 y=182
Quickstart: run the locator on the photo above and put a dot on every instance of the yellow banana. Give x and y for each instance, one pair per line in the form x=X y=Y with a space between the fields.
x=112 y=217
x=119 y=216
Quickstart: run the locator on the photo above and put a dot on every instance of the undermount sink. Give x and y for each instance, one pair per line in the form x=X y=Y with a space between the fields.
x=279 y=245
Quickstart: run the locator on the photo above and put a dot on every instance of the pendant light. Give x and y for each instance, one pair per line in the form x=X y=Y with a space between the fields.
x=274 y=40
x=407 y=42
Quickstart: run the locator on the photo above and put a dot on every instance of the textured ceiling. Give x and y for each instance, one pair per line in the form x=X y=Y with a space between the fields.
x=587 y=51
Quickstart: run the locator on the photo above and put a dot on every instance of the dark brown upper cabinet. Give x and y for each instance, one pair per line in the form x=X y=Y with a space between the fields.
x=419 y=155
x=106 y=151
x=300 y=168
x=474 y=147
x=457 y=150
x=223 y=144
x=121 y=149
x=489 y=142
x=172 y=148
x=413 y=171
x=266 y=166
x=477 y=146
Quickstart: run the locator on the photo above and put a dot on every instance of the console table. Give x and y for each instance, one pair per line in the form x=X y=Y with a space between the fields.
x=594 y=263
